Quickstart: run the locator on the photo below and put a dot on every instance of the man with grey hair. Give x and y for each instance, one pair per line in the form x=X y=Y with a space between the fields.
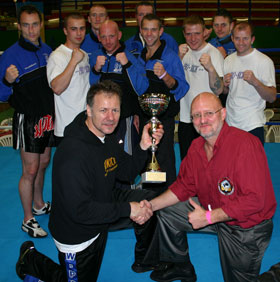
x=223 y=187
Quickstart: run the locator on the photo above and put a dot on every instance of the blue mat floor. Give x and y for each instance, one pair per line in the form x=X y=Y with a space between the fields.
x=119 y=254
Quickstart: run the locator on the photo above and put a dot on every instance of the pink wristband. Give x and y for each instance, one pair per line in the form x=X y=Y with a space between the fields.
x=163 y=75
x=208 y=217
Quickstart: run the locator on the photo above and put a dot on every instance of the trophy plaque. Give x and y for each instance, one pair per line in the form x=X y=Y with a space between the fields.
x=153 y=104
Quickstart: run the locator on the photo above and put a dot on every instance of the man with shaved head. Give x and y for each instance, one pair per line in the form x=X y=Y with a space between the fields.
x=114 y=62
x=223 y=187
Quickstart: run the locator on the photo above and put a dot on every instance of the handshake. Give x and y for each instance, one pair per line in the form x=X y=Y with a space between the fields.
x=141 y=212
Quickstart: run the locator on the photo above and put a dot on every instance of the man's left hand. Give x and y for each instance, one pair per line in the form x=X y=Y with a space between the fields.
x=121 y=58
x=146 y=140
x=158 y=69
x=249 y=76
x=206 y=62
x=197 y=218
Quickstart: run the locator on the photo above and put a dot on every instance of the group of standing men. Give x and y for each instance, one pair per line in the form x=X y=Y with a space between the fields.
x=148 y=62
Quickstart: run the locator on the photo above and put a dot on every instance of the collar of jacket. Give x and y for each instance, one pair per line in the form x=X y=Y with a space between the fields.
x=225 y=40
x=93 y=36
x=157 y=54
x=119 y=50
x=28 y=45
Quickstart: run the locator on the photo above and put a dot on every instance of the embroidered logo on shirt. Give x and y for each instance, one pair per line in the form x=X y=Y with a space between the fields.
x=225 y=186
x=238 y=75
x=110 y=165
x=117 y=67
x=193 y=68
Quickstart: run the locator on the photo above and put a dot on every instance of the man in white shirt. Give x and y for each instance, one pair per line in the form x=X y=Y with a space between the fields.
x=68 y=74
x=203 y=66
x=249 y=81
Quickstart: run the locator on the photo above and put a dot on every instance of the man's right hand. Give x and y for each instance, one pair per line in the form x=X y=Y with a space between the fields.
x=11 y=73
x=227 y=79
x=140 y=212
x=183 y=49
x=77 y=55
x=100 y=62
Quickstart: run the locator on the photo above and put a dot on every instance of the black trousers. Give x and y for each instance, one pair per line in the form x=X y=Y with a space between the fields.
x=258 y=132
x=84 y=266
x=241 y=250
x=186 y=134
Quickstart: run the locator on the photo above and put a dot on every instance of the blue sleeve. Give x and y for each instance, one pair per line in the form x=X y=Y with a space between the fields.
x=133 y=46
x=94 y=77
x=5 y=89
x=214 y=42
x=137 y=74
x=174 y=67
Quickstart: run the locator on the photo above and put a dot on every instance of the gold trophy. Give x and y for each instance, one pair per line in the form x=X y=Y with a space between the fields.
x=153 y=104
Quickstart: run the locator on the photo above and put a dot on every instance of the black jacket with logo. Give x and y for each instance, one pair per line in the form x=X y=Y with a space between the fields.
x=83 y=179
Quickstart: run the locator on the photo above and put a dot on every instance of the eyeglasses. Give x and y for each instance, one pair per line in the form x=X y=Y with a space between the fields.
x=208 y=114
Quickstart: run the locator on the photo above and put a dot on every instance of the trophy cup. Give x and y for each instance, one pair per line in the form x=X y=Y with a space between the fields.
x=153 y=104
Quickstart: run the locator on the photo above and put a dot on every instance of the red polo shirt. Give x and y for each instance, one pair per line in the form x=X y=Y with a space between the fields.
x=236 y=179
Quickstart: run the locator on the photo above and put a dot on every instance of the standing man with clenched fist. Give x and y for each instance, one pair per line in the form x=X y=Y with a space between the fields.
x=68 y=74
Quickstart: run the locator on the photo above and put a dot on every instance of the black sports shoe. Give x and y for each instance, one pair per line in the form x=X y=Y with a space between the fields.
x=25 y=248
x=44 y=210
x=176 y=271
x=140 y=267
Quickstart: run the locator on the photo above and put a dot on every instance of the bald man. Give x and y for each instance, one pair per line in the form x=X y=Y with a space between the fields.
x=223 y=187
x=113 y=62
x=116 y=63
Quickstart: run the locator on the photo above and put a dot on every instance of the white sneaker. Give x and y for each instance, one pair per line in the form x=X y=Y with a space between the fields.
x=33 y=228
x=44 y=210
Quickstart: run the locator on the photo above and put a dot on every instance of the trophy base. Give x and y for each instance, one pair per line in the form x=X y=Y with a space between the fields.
x=153 y=177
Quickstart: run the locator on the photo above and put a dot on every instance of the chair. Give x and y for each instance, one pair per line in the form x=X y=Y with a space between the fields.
x=7 y=121
x=275 y=129
x=269 y=113
x=6 y=140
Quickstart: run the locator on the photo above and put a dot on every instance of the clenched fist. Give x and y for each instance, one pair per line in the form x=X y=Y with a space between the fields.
x=100 y=62
x=183 y=49
x=77 y=55
x=11 y=73
x=158 y=69
x=121 y=58
x=206 y=62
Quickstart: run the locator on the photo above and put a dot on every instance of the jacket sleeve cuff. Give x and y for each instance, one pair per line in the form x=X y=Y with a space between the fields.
x=127 y=65
x=94 y=71
x=5 y=81
x=125 y=210
x=175 y=85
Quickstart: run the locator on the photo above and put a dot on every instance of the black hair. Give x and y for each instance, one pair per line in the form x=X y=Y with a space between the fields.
x=29 y=9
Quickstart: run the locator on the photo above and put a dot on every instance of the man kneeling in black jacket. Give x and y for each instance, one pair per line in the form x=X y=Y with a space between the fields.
x=84 y=200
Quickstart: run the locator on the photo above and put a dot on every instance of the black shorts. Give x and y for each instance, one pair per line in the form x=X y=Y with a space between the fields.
x=33 y=134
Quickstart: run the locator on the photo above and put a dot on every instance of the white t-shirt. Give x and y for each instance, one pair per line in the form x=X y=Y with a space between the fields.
x=73 y=100
x=245 y=107
x=198 y=77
